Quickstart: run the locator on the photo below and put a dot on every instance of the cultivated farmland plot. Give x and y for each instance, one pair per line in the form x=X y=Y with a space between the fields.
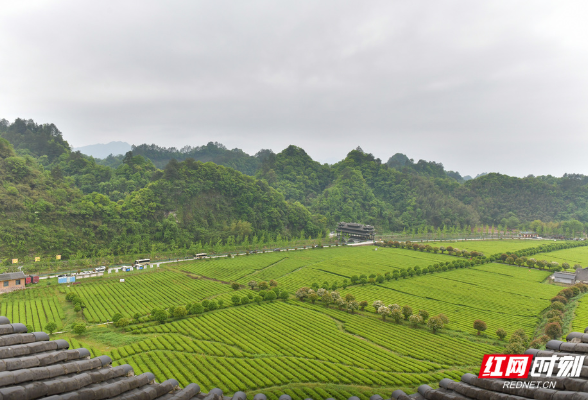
x=296 y=347
x=493 y=246
x=142 y=293
x=34 y=308
x=296 y=344
x=577 y=255
x=465 y=295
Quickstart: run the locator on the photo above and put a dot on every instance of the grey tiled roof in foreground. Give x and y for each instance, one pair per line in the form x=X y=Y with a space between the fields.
x=470 y=387
x=33 y=367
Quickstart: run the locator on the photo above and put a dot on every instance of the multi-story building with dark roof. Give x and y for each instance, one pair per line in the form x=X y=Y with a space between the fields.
x=355 y=231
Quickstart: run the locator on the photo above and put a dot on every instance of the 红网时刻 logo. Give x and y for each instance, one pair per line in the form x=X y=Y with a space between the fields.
x=518 y=366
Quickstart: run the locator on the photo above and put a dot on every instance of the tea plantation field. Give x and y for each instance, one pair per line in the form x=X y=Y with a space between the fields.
x=493 y=246
x=578 y=255
x=291 y=346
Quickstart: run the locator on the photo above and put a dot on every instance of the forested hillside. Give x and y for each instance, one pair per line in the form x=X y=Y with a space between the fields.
x=214 y=152
x=76 y=207
x=53 y=197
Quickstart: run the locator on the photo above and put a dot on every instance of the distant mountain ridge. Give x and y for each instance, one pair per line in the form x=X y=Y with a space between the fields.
x=104 y=150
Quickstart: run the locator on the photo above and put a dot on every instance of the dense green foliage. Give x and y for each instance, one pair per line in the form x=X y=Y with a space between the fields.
x=213 y=152
x=44 y=140
x=75 y=207
x=296 y=175
x=58 y=201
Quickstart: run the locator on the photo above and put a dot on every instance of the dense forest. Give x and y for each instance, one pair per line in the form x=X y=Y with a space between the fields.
x=69 y=204
x=54 y=198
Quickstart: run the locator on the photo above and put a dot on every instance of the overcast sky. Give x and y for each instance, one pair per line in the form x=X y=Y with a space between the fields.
x=477 y=85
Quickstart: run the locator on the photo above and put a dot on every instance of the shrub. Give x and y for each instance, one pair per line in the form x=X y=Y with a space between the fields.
x=235 y=286
x=160 y=316
x=77 y=308
x=480 y=326
x=396 y=315
x=443 y=318
x=575 y=290
x=302 y=293
x=383 y=311
x=583 y=288
x=79 y=329
x=121 y=323
x=245 y=300
x=553 y=313
x=435 y=324
x=180 y=312
x=363 y=305
x=424 y=315
x=197 y=309
x=519 y=335
x=539 y=342
x=407 y=312
x=567 y=293
x=51 y=327
x=558 y=305
x=515 y=347
x=501 y=333
x=414 y=320
x=560 y=299
x=271 y=296
x=116 y=317
x=377 y=304
x=553 y=330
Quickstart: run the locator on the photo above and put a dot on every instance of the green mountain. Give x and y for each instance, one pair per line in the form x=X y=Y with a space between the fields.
x=74 y=206
x=55 y=198
x=295 y=174
x=213 y=152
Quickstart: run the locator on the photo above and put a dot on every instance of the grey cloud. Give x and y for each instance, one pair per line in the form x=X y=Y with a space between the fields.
x=479 y=86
